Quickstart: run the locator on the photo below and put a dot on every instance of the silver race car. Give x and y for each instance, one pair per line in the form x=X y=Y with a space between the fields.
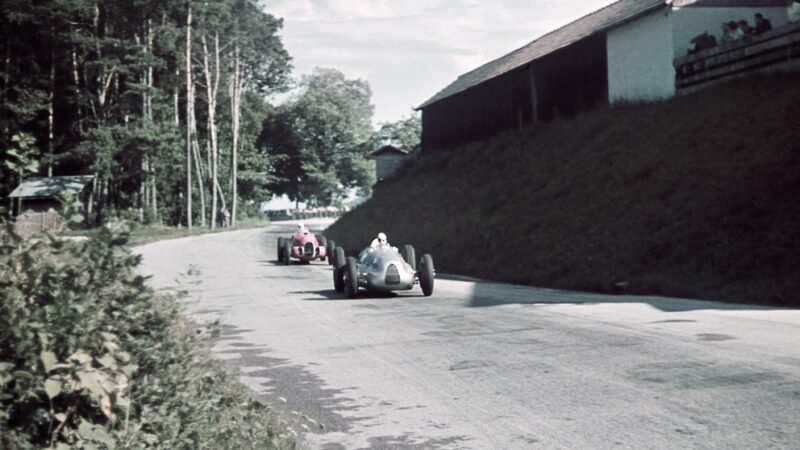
x=382 y=269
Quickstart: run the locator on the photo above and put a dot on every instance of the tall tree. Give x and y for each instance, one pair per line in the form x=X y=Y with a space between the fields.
x=189 y=113
x=316 y=140
x=404 y=133
x=104 y=87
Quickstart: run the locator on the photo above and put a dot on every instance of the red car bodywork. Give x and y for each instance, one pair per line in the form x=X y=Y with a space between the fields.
x=305 y=247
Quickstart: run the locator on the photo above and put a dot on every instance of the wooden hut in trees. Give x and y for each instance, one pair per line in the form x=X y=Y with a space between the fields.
x=388 y=160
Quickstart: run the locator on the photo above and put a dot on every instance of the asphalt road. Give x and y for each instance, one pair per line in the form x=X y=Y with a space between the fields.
x=485 y=365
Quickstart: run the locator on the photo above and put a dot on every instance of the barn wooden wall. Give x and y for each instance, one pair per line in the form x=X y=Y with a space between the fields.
x=563 y=83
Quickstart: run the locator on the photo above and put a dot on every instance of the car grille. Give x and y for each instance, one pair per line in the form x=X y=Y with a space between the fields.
x=309 y=249
x=392 y=276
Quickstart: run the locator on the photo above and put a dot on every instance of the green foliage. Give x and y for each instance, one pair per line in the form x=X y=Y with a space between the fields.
x=22 y=157
x=403 y=134
x=90 y=358
x=112 y=74
x=316 y=141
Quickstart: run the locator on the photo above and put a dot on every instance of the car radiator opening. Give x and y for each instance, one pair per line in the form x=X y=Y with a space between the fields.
x=392 y=275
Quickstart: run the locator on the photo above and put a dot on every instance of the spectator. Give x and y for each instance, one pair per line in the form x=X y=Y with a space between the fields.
x=737 y=32
x=702 y=42
x=226 y=217
x=747 y=30
x=762 y=24
x=727 y=33
x=793 y=10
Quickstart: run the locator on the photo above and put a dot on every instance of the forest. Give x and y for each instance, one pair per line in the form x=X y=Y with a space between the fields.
x=170 y=106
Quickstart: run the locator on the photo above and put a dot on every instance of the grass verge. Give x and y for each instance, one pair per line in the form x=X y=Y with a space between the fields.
x=145 y=234
x=693 y=197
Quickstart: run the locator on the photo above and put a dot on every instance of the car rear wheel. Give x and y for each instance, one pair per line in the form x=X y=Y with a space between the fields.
x=338 y=269
x=410 y=256
x=351 y=278
x=426 y=274
x=287 y=252
x=280 y=249
x=330 y=250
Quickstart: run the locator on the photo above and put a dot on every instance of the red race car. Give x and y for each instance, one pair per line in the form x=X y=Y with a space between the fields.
x=303 y=245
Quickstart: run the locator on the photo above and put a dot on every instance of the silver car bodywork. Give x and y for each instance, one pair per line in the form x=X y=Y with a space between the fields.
x=383 y=269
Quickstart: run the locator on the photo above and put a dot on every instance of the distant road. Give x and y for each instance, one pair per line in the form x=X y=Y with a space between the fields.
x=489 y=366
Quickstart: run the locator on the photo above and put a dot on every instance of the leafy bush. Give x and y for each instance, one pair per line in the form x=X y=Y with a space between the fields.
x=91 y=358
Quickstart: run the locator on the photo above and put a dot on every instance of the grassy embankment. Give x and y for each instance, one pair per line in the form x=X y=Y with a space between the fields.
x=696 y=196
x=144 y=234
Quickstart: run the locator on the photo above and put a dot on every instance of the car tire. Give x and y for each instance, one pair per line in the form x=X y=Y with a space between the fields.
x=322 y=242
x=280 y=249
x=426 y=274
x=351 y=278
x=410 y=256
x=287 y=252
x=338 y=269
x=330 y=248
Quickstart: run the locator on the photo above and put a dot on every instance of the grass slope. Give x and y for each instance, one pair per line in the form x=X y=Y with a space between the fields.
x=696 y=196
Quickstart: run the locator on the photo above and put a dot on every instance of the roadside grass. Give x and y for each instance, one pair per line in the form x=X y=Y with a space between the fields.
x=694 y=197
x=145 y=234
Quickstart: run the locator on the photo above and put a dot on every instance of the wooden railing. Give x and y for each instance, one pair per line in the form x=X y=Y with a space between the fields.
x=777 y=50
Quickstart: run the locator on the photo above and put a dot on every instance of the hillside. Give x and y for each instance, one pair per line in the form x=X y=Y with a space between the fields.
x=694 y=197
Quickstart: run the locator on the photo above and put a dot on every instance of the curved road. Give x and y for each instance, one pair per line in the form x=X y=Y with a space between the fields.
x=485 y=365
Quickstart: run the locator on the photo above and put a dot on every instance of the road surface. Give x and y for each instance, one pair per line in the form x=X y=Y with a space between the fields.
x=484 y=365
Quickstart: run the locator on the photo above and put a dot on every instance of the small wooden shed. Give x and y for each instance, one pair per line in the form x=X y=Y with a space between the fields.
x=388 y=160
x=36 y=202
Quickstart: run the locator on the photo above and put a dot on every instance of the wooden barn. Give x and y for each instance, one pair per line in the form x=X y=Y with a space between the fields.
x=623 y=52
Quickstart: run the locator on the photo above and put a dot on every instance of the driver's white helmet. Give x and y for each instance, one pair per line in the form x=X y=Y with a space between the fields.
x=381 y=238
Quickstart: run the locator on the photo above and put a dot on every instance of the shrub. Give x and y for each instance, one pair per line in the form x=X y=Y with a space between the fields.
x=91 y=358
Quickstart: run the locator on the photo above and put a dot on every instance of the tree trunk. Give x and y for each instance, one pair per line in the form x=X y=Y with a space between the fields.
x=236 y=95
x=77 y=80
x=189 y=114
x=51 y=109
x=200 y=184
x=4 y=88
x=150 y=181
x=176 y=100
x=212 y=87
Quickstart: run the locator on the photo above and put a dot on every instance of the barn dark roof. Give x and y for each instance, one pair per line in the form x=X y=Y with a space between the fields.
x=598 y=21
x=51 y=187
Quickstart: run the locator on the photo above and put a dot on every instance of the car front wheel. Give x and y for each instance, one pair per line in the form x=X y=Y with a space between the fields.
x=287 y=252
x=426 y=274
x=331 y=247
x=351 y=278
x=338 y=269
